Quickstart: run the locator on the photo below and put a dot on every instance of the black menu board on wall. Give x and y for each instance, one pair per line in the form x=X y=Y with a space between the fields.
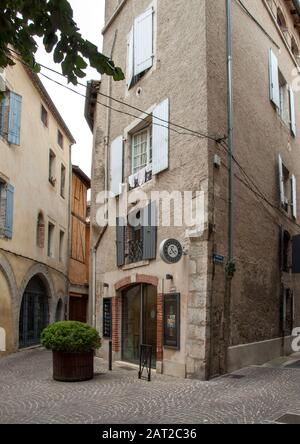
x=107 y=318
x=172 y=321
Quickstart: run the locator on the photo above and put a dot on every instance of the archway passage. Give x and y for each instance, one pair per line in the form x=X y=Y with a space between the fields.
x=34 y=314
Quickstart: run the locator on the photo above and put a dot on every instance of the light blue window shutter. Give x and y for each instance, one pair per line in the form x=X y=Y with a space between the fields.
x=143 y=42
x=274 y=79
x=160 y=138
x=9 y=211
x=294 y=196
x=116 y=166
x=149 y=223
x=120 y=241
x=130 y=63
x=281 y=180
x=292 y=111
x=14 y=120
x=2 y=115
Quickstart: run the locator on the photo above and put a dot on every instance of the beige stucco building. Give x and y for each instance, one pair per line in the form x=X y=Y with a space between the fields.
x=199 y=322
x=35 y=147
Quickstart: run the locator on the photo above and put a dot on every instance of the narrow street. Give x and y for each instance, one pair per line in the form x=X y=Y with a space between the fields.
x=28 y=395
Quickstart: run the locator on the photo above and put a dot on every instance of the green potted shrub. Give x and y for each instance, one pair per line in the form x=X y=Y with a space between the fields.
x=73 y=346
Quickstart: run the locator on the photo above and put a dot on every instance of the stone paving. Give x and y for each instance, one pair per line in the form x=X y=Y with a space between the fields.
x=29 y=395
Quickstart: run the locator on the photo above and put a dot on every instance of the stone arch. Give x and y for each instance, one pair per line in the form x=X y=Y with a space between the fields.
x=42 y=272
x=7 y=271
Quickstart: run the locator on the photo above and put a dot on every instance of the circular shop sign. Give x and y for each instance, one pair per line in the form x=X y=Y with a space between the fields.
x=171 y=251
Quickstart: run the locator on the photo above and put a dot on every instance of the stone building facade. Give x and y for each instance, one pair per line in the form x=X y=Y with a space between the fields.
x=174 y=56
x=35 y=146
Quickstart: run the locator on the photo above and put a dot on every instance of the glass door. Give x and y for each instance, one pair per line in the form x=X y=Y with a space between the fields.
x=138 y=322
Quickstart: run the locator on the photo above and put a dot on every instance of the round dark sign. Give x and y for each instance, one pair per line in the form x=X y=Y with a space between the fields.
x=171 y=251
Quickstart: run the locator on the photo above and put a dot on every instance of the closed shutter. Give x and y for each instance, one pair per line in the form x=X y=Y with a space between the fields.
x=149 y=231
x=281 y=247
x=14 y=121
x=120 y=241
x=160 y=137
x=292 y=112
x=116 y=166
x=281 y=180
x=130 y=62
x=143 y=42
x=296 y=254
x=9 y=212
x=294 y=196
x=274 y=79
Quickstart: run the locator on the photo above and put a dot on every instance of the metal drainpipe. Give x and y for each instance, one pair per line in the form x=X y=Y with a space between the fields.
x=228 y=282
x=230 y=131
x=106 y=184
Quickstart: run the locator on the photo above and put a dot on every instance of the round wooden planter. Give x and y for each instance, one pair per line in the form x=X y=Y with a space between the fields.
x=73 y=367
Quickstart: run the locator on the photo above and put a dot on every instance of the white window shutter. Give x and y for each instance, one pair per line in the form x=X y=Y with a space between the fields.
x=274 y=79
x=292 y=111
x=281 y=181
x=143 y=42
x=130 y=66
x=116 y=165
x=294 y=195
x=160 y=138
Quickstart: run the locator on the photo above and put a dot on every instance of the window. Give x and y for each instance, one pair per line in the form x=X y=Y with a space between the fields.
x=6 y=209
x=10 y=117
x=283 y=99
x=281 y=94
x=51 y=229
x=137 y=237
x=140 y=51
x=52 y=161
x=62 y=181
x=288 y=190
x=141 y=149
x=60 y=139
x=44 y=115
x=40 y=232
x=281 y=20
x=295 y=49
x=61 y=245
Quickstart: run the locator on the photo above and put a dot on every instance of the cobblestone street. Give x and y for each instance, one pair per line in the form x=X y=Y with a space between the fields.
x=29 y=395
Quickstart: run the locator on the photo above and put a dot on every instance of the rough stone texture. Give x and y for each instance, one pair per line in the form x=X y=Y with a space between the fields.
x=28 y=395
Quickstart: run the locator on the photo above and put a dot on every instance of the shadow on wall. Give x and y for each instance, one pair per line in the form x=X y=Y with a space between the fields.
x=2 y=340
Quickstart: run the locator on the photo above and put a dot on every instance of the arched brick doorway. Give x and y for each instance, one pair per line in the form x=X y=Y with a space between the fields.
x=34 y=313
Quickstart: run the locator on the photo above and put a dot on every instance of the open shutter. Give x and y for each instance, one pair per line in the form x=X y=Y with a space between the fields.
x=14 y=120
x=9 y=211
x=149 y=231
x=120 y=241
x=160 y=137
x=130 y=62
x=281 y=180
x=116 y=166
x=2 y=115
x=143 y=42
x=294 y=196
x=292 y=111
x=281 y=247
x=274 y=79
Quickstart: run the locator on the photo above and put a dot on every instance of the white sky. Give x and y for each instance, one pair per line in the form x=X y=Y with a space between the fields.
x=89 y=15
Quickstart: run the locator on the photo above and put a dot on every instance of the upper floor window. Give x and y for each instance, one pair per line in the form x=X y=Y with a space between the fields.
x=6 y=209
x=62 y=181
x=295 y=49
x=10 y=117
x=61 y=245
x=51 y=229
x=141 y=149
x=40 y=231
x=60 y=139
x=140 y=51
x=281 y=20
x=288 y=189
x=44 y=115
x=52 y=166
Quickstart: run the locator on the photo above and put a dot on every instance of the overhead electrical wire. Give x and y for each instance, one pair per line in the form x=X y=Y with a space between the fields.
x=249 y=183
